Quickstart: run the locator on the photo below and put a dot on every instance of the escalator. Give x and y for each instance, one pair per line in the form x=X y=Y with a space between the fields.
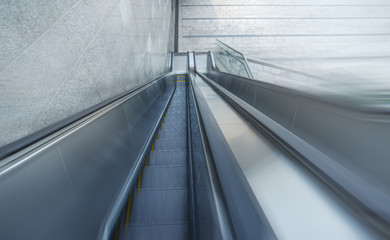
x=180 y=157
x=160 y=201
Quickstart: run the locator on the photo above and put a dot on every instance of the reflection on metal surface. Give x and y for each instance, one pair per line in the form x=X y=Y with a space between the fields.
x=347 y=142
x=70 y=184
x=201 y=62
x=248 y=219
x=211 y=215
x=295 y=202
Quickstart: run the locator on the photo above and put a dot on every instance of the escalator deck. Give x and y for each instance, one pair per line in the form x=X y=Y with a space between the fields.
x=160 y=203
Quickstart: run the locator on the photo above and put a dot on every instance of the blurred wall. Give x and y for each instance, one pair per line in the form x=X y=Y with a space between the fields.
x=58 y=58
x=345 y=41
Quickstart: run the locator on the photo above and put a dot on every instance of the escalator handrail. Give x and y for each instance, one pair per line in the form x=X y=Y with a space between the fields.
x=345 y=103
x=13 y=147
x=366 y=199
x=224 y=221
x=248 y=219
x=108 y=224
x=190 y=170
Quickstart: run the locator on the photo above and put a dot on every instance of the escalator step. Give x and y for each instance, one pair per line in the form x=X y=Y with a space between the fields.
x=175 y=118
x=176 y=113
x=161 y=158
x=172 y=133
x=164 y=177
x=160 y=206
x=170 y=144
x=166 y=231
x=170 y=120
x=154 y=207
x=174 y=125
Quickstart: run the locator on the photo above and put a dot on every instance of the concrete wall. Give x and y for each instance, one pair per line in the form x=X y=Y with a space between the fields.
x=58 y=58
x=346 y=41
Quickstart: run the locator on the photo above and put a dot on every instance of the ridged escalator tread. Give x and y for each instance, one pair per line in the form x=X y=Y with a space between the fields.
x=153 y=232
x=174 y=125
x=172 y=133
x=167 y=158
x=164 y=177
x=162 y=211
x=159 y=209
x=170 y=144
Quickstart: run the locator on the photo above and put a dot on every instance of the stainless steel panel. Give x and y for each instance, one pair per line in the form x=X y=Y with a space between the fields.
x=277 y=105
x=295 y=202
x=180 y=63
x=201 y=62
x=211 y=214
x=63 y=188
x=352 y=138
x=36 y=194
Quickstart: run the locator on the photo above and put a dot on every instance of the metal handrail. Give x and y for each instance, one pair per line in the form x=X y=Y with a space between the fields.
x=171 y=62
x=225 y=224
x=365 y=198
x=248 y=219
x=10 y=149
x=212 y=61
x=190 y=170
x=109 y=222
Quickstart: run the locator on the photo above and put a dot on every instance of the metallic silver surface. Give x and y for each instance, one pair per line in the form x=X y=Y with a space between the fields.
x=296 y=203
x=346 y=141
x=115 y=210
x=63 y=188
x=212 y=218
x=247 y=217
x=180 y=63
x=201 y=62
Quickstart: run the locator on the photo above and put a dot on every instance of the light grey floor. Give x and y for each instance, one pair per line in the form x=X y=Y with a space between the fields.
x=346 y=41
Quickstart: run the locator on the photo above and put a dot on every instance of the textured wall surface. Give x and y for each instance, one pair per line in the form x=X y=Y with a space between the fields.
x=346 y=41
x=58 y=58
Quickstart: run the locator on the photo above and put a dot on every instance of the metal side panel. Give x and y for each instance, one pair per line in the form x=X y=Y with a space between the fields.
x=33 y=198
x=351 y=136
x=212 y=221
x=63 y=188
x=247 y=216
x=295 y=202
x=180 y=63
x=201 y=62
